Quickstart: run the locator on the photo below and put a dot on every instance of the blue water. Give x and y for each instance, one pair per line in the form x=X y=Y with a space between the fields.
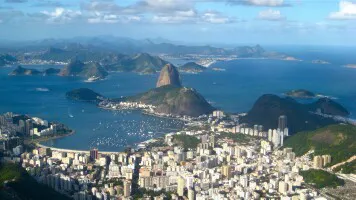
x=233 y=90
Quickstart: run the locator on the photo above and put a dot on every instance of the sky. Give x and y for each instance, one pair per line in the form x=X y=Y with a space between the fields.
x=319 y=22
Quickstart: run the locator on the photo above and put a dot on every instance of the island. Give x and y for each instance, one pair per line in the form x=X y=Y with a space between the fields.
x=168 y=99
x=91 y=70
x=84 y=94
x=323 y=62
x=300 y=93
x=301 y=117
x=351 y=66
x=21 y=71
x=192 y=67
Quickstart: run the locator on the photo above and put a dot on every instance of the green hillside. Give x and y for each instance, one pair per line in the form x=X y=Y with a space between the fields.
x=337 y=140
x=23 y=185
x=321 y=178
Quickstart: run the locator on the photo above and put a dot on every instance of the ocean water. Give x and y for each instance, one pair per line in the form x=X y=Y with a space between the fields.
x=233 y=90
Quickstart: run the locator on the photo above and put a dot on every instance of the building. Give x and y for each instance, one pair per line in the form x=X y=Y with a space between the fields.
x=282 y=122
x=181 y=185
x=326 y=159
x=317 y=162
x=127 y=188
x=226 y=171
x=94 y=154
x=191 y=194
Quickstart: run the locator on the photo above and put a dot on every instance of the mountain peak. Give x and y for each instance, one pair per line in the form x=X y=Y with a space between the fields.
x=169 y=76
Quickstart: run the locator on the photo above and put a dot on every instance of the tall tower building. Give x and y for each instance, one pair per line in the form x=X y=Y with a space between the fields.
x=317 y=162
x=191 y=194
x=282 y=122
x=127 y=188
x=181 y=185
x=94 y=154
x=226 y=171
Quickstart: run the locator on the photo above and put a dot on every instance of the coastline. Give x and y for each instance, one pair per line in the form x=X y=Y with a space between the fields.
x=44 y=139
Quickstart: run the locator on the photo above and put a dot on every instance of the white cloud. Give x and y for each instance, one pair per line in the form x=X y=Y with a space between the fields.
x=270 y=15
x=347 y=11
x=61 y=15
x=111 y=18
x=267 y=3
x=216 y=18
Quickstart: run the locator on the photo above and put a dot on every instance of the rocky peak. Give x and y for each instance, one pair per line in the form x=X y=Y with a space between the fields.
x=169 y=76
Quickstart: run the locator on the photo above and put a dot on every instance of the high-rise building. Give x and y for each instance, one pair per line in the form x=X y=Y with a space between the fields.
x=28 y=126
x=326 y=159
x=270 y=135
x=317 y=162
x=282 y=122
x=276 y=138
x=226 y=171
x=191 y=194
x=127 y=188
x=181 y=185
x=94 y=154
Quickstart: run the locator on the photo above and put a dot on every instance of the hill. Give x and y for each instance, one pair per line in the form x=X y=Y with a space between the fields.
x=140 y=63
x=337 y=140
x=191 y=67
x=20 y=71
x=6 y=59
x=329 y=107
x=89 y=70
x=169 y=75
x=321 y=178
x=83 y=94
x=268 y=108
x=300 y=93
x=24 y=186
x=174 y=100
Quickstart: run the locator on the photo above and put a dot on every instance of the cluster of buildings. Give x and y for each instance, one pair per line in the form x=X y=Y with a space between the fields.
x=81 y=174
x=219 y=167
x=321 y=161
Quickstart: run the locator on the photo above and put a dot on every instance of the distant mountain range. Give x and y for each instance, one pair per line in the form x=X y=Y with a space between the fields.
x=88 y=70
x=97 y=49
x=301 y=117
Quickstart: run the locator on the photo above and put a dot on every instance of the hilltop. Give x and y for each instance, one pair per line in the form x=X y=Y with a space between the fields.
x=89 y=70
x=169 y=76
x=6 y=59
x=140 y=63
x=337 y=140
x=84 y=94
x=191 y=67
x=269 y=107
x=300 y=93
x=174 y=100
x=21 y=71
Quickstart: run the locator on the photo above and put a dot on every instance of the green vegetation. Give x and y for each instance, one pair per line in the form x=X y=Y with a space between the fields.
x=142 y=192
x=6 y=59
x=339 y=141
x=89 y=70
x=83 y=94
x=347 y=168
x=299 y=115
x=175 y=100
x=186 y=141
x=191 y=67
x=23 y=186
x=240 y=138
x=321 y=179
x=20 y=71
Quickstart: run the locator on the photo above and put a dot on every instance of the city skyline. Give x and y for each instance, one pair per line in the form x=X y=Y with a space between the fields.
x=199 y=21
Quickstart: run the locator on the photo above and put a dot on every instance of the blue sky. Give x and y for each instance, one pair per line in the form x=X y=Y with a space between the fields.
x=331 y=22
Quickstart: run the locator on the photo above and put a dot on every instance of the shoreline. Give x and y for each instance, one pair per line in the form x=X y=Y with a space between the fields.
x=45 y=139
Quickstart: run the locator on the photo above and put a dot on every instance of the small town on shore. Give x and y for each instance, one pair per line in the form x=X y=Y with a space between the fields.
x=213 y=157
